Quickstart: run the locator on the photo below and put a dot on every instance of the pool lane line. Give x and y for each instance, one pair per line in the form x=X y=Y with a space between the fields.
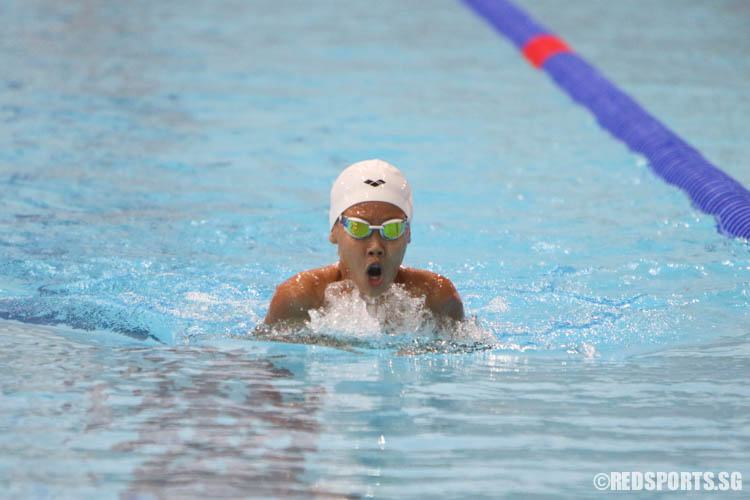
x=672 y=158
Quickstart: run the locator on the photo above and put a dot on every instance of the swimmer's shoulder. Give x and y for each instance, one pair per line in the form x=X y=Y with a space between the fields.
x=300 y=293
x=441 y=296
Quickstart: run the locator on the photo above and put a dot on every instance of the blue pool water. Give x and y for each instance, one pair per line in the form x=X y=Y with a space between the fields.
x=164 y=165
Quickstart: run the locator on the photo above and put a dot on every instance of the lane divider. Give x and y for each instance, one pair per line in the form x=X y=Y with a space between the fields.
x=542 y=47
x=672 y=158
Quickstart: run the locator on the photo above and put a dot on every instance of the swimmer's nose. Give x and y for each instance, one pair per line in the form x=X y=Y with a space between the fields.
x=375 y=246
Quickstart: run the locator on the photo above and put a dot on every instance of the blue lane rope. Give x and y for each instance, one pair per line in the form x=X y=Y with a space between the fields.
x=672 y=158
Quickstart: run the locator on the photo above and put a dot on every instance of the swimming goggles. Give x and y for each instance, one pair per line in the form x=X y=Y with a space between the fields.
x=361 y=229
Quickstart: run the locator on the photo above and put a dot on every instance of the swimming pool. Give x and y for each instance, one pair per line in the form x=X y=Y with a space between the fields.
x=162 y=169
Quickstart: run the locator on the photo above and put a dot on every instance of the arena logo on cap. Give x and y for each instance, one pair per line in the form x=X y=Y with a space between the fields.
x=374 y=183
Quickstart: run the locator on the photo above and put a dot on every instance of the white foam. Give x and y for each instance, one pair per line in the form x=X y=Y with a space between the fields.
x=346 y=312
x=394 y=313
x=497 y=305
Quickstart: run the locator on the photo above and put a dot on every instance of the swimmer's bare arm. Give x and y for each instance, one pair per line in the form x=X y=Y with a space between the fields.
x=297 y=295
x=289 y=303
x=441 y=297
x=444 y=300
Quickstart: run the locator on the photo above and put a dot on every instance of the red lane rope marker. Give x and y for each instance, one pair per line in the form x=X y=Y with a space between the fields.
x=671 y=157
x=542 y=47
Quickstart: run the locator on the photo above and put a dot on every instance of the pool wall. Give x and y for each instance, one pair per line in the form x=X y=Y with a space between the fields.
x=671 y=157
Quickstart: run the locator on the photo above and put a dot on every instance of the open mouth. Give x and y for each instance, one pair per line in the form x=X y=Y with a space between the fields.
x=375 y=274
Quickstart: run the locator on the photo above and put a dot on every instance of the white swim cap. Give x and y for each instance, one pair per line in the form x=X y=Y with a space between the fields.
x=370 y=180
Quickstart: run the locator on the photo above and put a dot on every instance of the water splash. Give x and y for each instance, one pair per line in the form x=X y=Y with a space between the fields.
x=395 y=319
x=394 y=312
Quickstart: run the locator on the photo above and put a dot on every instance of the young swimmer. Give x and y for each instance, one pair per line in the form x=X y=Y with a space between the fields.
x=370 y=217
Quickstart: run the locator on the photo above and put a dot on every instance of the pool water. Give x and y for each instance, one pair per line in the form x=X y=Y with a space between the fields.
x=164 y=167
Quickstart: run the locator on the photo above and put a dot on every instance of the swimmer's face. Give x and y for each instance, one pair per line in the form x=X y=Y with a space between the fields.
x=357 y=256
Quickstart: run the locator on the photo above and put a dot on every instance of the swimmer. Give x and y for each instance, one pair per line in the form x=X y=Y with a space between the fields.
x=370 y=218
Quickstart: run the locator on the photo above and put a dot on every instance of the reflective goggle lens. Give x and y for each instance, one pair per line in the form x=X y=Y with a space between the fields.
x=393 y=230
x=359 y=229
